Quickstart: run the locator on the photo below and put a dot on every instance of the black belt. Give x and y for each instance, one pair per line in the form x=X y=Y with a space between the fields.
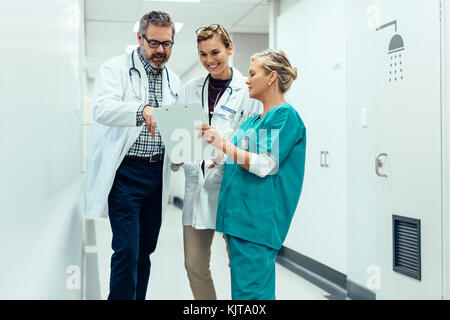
x=155 y=158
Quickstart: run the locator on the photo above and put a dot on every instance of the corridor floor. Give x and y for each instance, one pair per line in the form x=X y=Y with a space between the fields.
x=168 y=279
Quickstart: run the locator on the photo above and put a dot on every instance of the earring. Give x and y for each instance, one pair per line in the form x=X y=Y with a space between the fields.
x=270 y=83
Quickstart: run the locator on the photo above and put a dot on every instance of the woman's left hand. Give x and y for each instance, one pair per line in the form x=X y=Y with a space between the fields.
x=210 y=135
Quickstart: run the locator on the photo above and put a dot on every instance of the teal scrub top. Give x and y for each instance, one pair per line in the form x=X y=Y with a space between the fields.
x=258 y=209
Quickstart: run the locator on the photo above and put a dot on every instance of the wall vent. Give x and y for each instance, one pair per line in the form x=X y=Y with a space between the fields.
x=406 y=246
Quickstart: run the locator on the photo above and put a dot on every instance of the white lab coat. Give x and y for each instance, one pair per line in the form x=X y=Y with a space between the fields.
x=202 y=192
x=114 y=130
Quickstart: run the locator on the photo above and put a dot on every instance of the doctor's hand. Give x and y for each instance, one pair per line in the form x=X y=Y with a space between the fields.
x=149 y=120
x=176 y=166
x=210 y=135
x=213 y=162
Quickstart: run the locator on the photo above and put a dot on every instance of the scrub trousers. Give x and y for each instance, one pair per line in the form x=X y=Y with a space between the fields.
x=252 y=269
x=134 y=205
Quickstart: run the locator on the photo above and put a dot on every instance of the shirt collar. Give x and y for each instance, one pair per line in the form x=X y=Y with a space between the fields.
x=237 y=83
x=148 y=68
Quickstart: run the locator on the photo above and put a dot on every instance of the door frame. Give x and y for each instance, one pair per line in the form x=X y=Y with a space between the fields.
x=445 y=111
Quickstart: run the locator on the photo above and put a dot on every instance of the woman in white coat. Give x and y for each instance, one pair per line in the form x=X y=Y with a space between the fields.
x=224 y=96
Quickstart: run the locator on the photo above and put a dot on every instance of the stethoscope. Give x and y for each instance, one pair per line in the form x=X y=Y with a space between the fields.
x=133 y=68
x=227 y=86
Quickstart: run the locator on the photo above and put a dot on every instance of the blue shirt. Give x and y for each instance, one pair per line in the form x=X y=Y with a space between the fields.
x=258 y=209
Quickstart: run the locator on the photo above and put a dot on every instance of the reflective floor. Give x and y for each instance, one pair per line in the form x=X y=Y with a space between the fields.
x=168 y=280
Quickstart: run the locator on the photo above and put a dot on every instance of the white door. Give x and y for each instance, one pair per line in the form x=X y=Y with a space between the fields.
x=313 y=36
x=408 y=104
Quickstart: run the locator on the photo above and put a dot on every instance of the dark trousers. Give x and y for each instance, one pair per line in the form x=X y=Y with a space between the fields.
x=135 y=216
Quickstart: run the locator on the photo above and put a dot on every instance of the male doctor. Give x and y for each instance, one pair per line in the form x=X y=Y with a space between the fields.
x=128 y=173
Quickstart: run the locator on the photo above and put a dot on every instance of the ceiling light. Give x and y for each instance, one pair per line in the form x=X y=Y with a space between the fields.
x=178 y=26
x=136 y=26
x=197 y=1
x=130 y=48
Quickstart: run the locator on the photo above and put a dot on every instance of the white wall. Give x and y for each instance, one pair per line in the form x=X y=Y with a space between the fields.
x=361 y=144
x=41 y=138
x=286 y=5
x=246 y=45
x=446 y=145
x=312 y=33
x=89 y=88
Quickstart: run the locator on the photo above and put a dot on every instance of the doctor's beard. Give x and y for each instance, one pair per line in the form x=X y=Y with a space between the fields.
x=154 y=56
x=157 y=56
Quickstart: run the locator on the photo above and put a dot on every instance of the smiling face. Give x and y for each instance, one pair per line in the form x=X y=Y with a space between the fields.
x=157 y=57
x=214 y=57
x=258 y=80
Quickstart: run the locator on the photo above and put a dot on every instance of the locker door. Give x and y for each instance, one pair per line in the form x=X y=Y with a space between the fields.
x=408 y=182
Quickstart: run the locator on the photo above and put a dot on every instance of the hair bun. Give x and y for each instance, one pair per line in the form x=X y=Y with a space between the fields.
x=294 y=73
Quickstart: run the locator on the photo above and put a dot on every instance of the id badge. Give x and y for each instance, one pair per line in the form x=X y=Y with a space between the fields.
x=244 y=143
x=229 y=110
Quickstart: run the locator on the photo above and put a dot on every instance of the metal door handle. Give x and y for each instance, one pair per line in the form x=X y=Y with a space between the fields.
x=323 y=159
x=379 y=164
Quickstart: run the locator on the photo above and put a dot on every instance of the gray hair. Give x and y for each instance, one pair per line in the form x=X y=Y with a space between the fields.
x=157 y=18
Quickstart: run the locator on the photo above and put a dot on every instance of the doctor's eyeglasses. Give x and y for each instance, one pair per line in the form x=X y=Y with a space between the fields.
x=213 y=28
x=155 y=43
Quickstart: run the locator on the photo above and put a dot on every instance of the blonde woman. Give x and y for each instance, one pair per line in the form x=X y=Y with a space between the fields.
x=262 y=179
x=224 y=97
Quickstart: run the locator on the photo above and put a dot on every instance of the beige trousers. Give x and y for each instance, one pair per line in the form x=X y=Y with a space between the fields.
x=197 y=256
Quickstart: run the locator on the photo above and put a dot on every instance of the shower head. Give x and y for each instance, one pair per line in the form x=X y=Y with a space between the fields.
x=396 y=44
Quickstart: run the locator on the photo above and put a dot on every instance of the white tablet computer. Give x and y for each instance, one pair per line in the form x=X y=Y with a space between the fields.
x=176 y=125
